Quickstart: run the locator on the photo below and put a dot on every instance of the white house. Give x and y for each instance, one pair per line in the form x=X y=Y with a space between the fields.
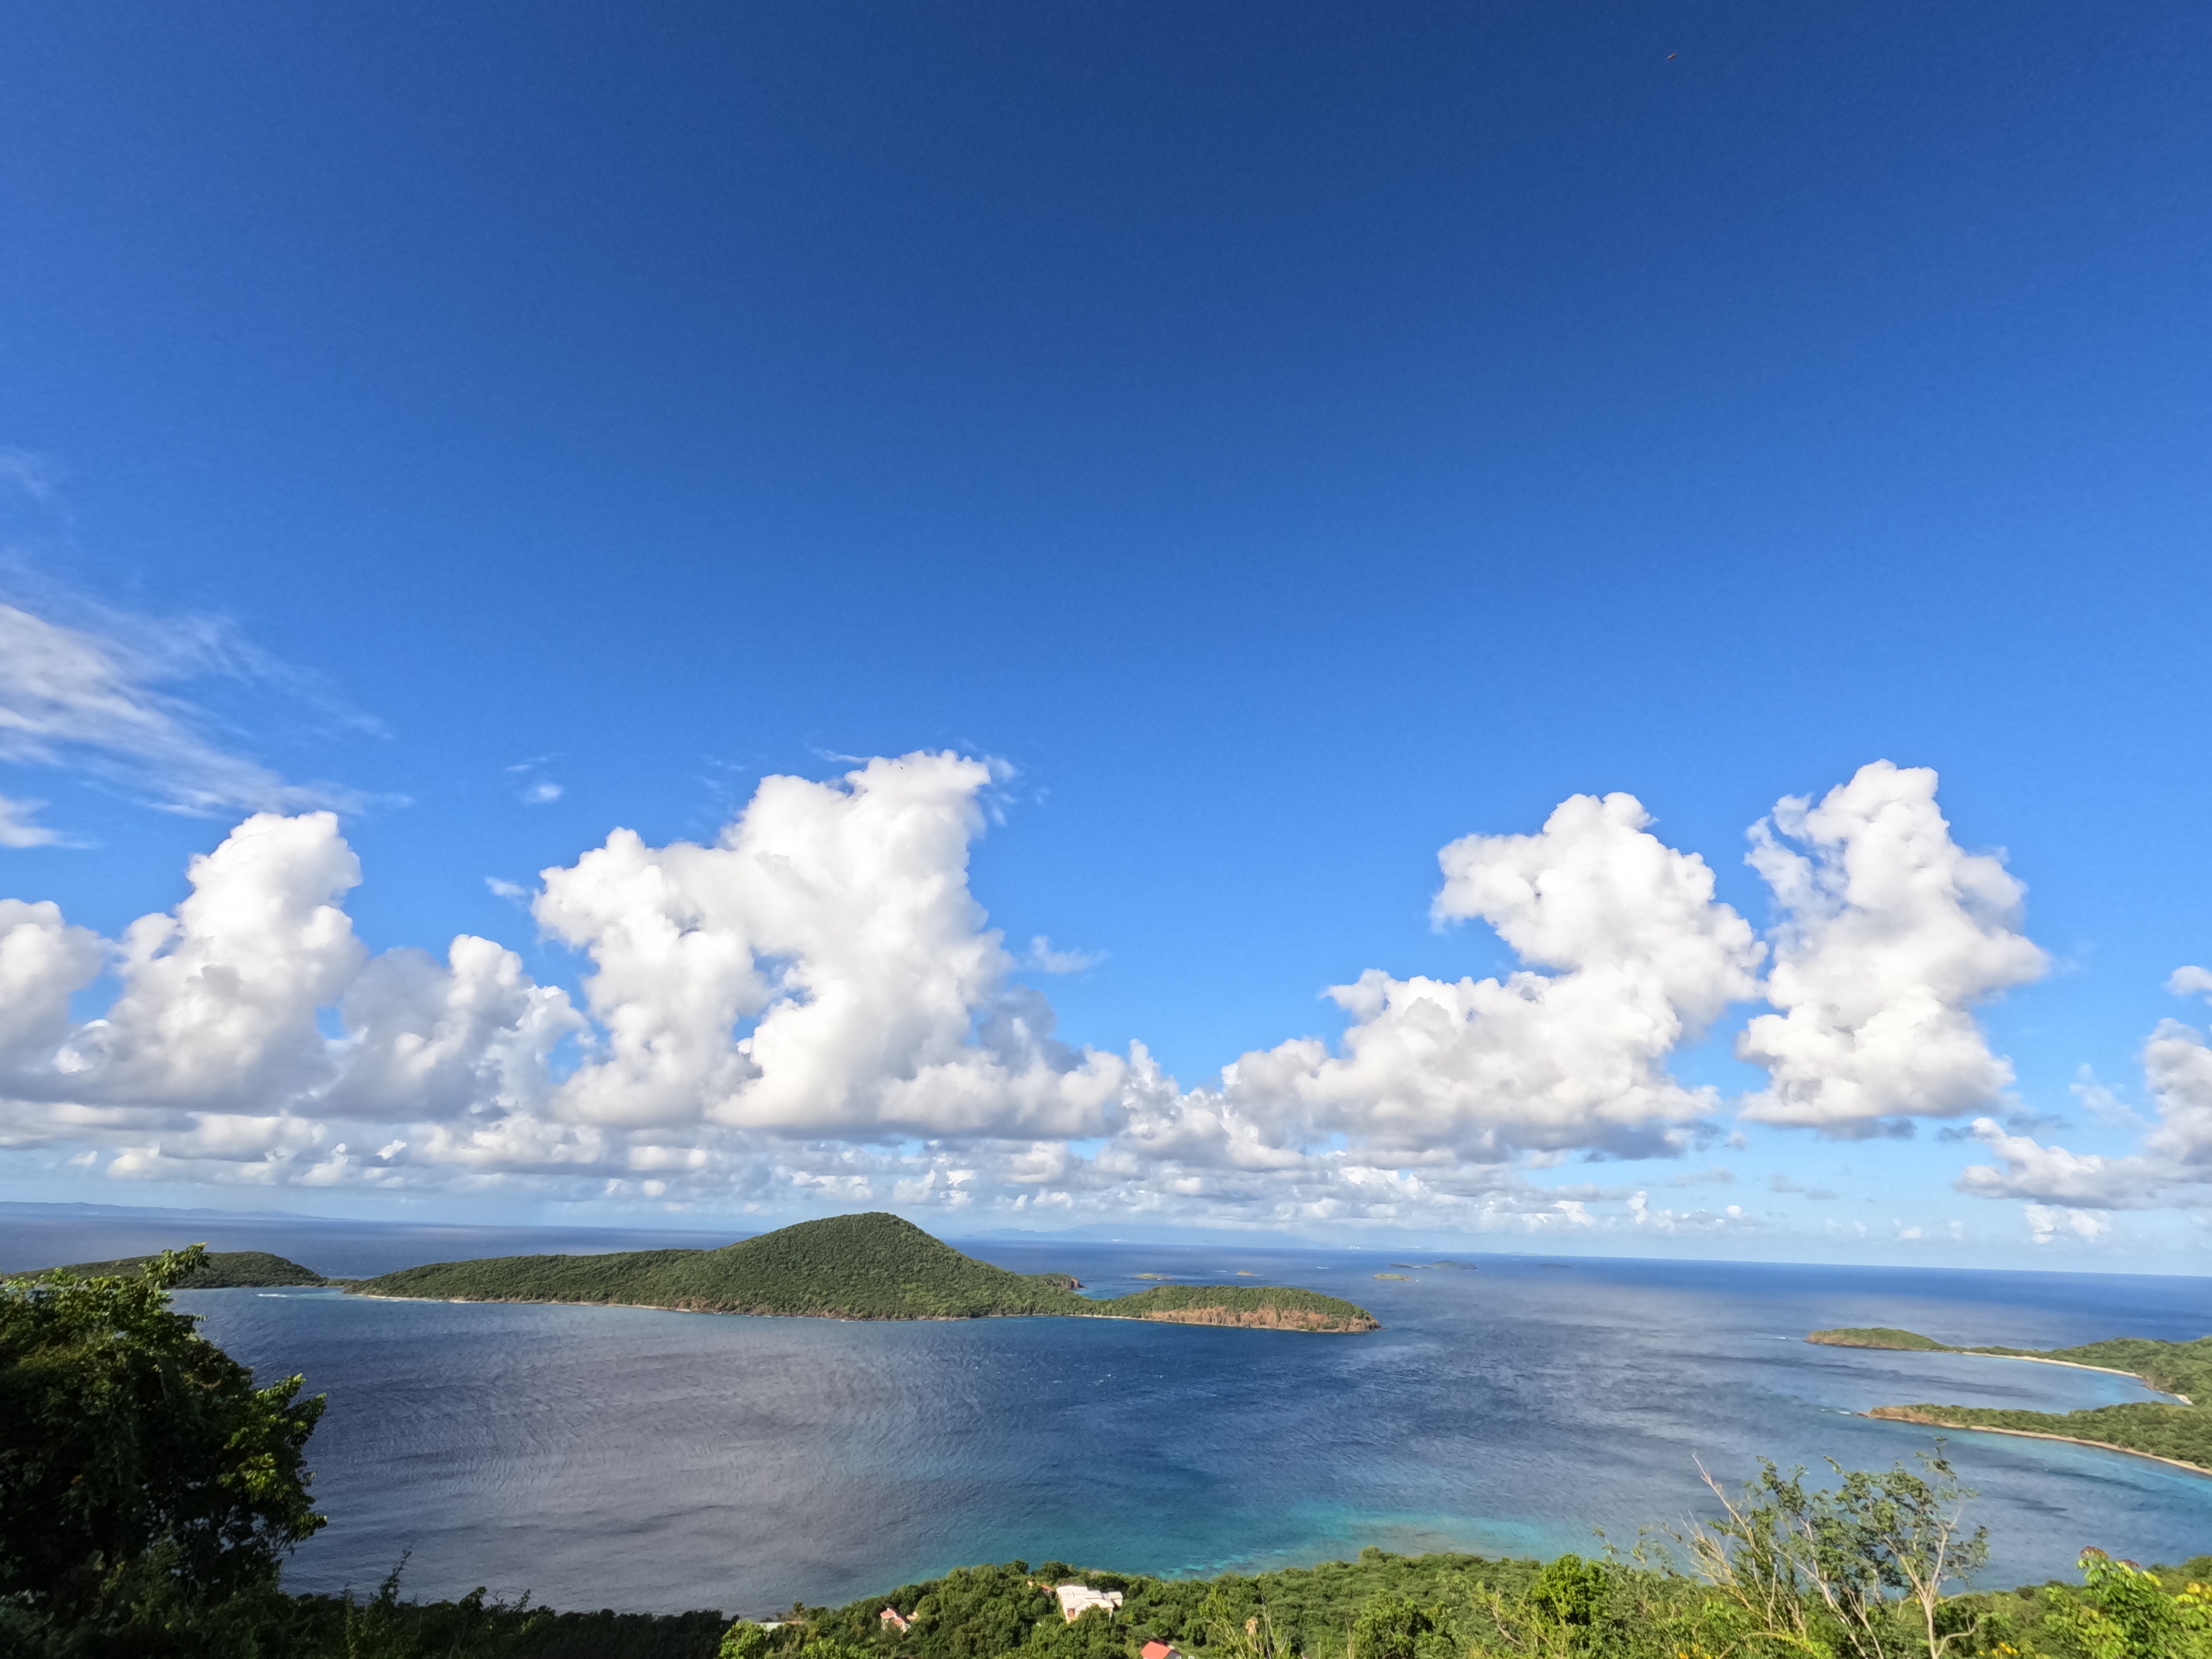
x=1076 y=1600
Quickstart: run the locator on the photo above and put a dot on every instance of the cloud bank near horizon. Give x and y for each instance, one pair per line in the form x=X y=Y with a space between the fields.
x=815 y=1005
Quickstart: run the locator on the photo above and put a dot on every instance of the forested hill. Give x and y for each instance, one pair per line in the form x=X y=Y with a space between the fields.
x=859 y=1267
x=852 y=1267
x=2180 y=1433
x=223 y=1270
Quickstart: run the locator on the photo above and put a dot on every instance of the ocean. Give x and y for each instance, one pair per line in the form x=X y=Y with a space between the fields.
x=648 y=1460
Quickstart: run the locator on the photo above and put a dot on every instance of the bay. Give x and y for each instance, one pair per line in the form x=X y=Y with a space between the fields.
x=652 y=1461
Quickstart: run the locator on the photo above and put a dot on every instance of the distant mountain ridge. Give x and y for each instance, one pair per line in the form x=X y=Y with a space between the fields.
x=854 y=1267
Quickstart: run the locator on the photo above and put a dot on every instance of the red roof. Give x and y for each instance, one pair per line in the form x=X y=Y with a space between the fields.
x=1159 y=1651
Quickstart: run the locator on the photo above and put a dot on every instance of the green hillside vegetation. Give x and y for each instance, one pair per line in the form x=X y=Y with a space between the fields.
x=2182 y=1432
x=220 y=1270
x=1380 y=1606
x=984 y=1612
x=854 y=1266
x=2182 y=1368
x=1469 y=1606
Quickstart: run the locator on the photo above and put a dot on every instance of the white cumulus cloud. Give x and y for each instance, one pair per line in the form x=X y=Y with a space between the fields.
x=2190 y=981
x=2044 y=1224
x=2174 y=1159
x=1640 y=955
x=1890 y=934
x=43 y=961
x=813 y=1007
x=833 y=920
x=217 y=1009
x=821 y=971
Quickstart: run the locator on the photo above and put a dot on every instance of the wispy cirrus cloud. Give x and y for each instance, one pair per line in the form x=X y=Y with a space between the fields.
x=1045 y=958
x=96 y=697
x=17 y=827
x=533 y=785
x=95 y=691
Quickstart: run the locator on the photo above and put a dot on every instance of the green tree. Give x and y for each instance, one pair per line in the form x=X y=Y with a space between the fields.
x=2124 y=1612
x=137 y=1460
x=1568 y=1591
x=1859 y=1568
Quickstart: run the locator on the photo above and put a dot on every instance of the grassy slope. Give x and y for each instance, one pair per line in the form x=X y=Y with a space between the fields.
x=225 y=1270
x=854 y=1266
x=2182 y=1432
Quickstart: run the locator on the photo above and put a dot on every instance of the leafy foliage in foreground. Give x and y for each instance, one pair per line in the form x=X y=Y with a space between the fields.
x=1781 y=1595
x=219 y=1270
x=134 y=1455
x=2182 y=1432
x=262 y=1624
x=852 y=1267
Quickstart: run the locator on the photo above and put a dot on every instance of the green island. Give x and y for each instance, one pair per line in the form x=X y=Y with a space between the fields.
x=219 y=1270
x=2173 y=1432
x=851 y=1266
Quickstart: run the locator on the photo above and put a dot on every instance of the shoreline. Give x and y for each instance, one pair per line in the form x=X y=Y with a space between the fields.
x=849 y=1319
x=2076 y=1364
x=1905 y=1414
x=2033 y=1358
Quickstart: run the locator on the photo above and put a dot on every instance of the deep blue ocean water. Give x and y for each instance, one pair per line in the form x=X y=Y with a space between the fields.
x=637 y=1459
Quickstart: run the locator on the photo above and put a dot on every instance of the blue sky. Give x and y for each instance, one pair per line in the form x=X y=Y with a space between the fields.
x=1279 y=441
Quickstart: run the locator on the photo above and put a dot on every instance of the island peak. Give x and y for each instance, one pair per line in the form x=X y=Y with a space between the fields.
x=870 y=1266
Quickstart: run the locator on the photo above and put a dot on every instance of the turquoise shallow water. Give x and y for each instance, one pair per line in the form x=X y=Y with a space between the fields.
x=645 y=1460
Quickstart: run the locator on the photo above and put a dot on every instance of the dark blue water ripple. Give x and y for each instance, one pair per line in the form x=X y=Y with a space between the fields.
x=658 y=1461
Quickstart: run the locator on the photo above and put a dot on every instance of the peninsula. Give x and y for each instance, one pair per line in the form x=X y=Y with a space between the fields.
x=223 y=1270
x=852 y=1267
x=2174 y=1433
